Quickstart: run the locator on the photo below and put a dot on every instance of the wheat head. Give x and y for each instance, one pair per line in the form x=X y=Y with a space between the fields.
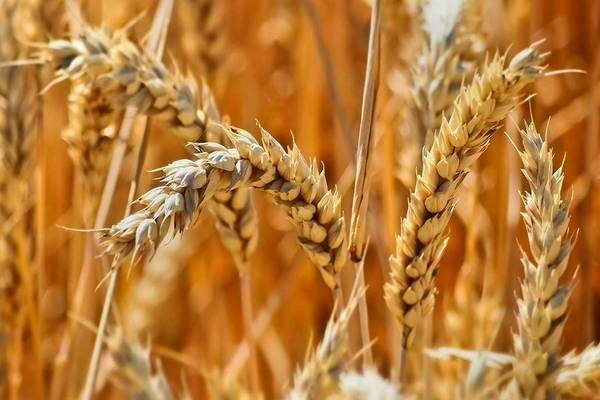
x=542 y=307
x=454 y=47
x=127 y=76
x=297 y=186
x=463 y=136
x=134 y=368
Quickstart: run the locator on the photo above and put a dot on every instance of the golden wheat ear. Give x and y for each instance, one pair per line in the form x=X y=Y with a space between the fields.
x=542 y=305
x=462 y=138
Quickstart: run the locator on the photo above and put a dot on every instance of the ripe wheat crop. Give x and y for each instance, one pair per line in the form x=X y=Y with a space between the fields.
x=183 y=183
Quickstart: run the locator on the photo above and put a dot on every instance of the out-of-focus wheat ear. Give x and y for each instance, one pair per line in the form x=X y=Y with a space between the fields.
x=542 y=306
x=366 y=385
x=222 y=387
x=298 y=187
x=19 y=112
x=579 y=374
x=203 y=39
x=462 y=138
x=90 y=134
x=319 y=377
x=453 y=49
x=134 y=368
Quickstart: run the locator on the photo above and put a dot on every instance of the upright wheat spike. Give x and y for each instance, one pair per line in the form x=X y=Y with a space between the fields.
x=18 y=124
x=134 y=367
x=477 y=114
x=454 y=47
x=542 y=307
x=579 y=375
x=297 y=186
x=319 y=378
x=89 y=136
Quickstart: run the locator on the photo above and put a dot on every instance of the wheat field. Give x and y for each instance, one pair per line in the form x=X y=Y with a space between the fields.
x=299 y=199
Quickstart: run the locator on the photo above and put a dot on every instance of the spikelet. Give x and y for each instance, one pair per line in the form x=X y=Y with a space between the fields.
x=476 y=116
x=90 y=136
x=202 y=37
x=18 y=125
x=579 y=375
x=297 y=186
x=319 y=378
x=134 y=368
x=126 y=76
x=542 y=307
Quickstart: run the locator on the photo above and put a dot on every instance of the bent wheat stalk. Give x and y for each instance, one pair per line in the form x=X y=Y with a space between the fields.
x=297 y=186
x=463 y=136
x=542 y=308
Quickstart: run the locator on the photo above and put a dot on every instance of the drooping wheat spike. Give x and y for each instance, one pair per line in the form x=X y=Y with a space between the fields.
x=297 y=186
x=579 y=375
x=319 y=377
x=90 y=135
x=542 y=307
x=477 y=114
x=134 y=368
x=18 y=125
x=454 y=47
x=127 y=76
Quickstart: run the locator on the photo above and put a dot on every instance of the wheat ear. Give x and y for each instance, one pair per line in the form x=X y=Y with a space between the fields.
x=579 y=375
x=476 y=116
x=127 y=76
x=222 y=387
x=453 y=49
x=366 y=385
x=297 y=186
x=542 y=307
x=320 y=376
x=134 y=367
x=203 y=41
x=90 y=136
x=18 y=124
